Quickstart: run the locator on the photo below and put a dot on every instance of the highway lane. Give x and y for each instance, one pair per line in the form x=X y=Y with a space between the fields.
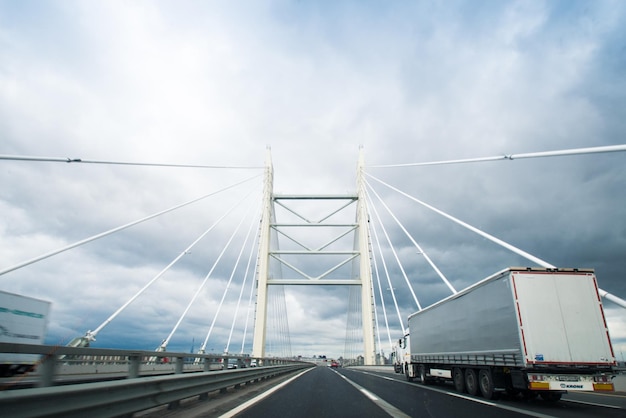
x=318 y=392
x=378 y=392
x=573 y=405
x=325 y=392
x=351 y=392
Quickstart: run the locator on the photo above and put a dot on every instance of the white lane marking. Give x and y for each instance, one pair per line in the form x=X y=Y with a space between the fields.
x=592 y=403
x=260 y=397
x=469 y=398
x=369 y=394
x=385 y=406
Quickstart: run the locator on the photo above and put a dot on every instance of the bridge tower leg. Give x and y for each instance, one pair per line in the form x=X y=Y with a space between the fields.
x=365 y=269
x=260 y=322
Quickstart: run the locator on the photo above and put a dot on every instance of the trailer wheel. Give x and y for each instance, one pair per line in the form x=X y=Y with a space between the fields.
x=407 y=373
x=459 y=379
x=471 y=381
x=485 y=383
x=421 y=373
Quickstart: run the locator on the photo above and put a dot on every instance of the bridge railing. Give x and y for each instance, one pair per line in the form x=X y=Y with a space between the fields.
x=136 y=390
x=59 y=364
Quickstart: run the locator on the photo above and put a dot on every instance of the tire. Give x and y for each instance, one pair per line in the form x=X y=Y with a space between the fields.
x=406 y=373
x=421 y=374
x=471 y=382
x=550 y=396
x=485 y=383
x=459 y=379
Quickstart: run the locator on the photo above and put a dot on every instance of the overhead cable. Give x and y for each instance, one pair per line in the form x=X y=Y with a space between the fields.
x=395 y=254
x=133 y=163
x=419 y=248
x=504 y=244
x=575 y=151
x=380 y=290
x=117 y=229
x=230 y=280
x=163 y=346
x=92 y=334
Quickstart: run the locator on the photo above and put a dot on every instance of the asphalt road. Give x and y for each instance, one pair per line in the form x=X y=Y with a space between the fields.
x=378 y=392
x=326 y=392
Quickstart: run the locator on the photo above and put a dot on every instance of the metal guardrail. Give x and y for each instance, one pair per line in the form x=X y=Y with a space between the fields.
x=70 y=363
x=124 y=397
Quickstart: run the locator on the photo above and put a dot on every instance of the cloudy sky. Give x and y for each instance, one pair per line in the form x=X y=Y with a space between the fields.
x=215 y=83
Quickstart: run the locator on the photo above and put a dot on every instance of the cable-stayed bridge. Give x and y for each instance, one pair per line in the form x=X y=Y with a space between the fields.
x=334 y=242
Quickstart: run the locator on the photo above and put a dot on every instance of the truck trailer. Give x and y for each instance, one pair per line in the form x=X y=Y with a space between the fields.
x=23 y=320
x=534 y=331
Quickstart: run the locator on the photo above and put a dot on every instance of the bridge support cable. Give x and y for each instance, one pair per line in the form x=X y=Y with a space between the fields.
x=395 y=254
x=615 y=299
x=230 y=280
x=163 y=346
x=246 y=275
x=250 y=298
x=419 y=248
x=380 y=354
x=382 y=302
x=353 y=343
x=470 y=227
x=538 y=261
x=105 y=162
x=117 y=229
x=387 y=275
x=575 y=151
x=279 y=338
x=91 y=335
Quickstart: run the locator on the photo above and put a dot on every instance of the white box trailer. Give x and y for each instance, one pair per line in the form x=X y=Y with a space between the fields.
x=530 y=330
x=23 y=320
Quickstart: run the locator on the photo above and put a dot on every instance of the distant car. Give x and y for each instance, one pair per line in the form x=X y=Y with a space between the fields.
x=334 y=364
x=232 y=363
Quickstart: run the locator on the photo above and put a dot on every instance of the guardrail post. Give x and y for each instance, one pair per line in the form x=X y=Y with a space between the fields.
x=47 y=369
x=133 y=366
x=179 y=365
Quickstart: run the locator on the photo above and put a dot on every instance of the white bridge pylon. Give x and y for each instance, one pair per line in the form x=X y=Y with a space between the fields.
x=339 y=233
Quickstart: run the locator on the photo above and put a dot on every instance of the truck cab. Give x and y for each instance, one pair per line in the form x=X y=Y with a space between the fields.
x=402 y=354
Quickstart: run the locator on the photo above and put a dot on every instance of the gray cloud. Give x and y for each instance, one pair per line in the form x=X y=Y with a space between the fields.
x=215 y=84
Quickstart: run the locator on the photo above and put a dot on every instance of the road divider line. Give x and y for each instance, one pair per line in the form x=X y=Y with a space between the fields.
x=592 y=403
x=262 y=396
x=385 y=406
x=466 y=397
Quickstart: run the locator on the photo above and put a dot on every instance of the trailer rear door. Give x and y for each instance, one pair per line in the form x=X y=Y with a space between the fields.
x=561 y=318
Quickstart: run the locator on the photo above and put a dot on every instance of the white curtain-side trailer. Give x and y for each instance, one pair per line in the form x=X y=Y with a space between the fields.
x=23 y=320
x=523 y=330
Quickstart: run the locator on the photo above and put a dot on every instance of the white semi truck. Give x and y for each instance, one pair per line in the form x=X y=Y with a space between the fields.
x=523 y=330
x=23 y=320
x=401 y=354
